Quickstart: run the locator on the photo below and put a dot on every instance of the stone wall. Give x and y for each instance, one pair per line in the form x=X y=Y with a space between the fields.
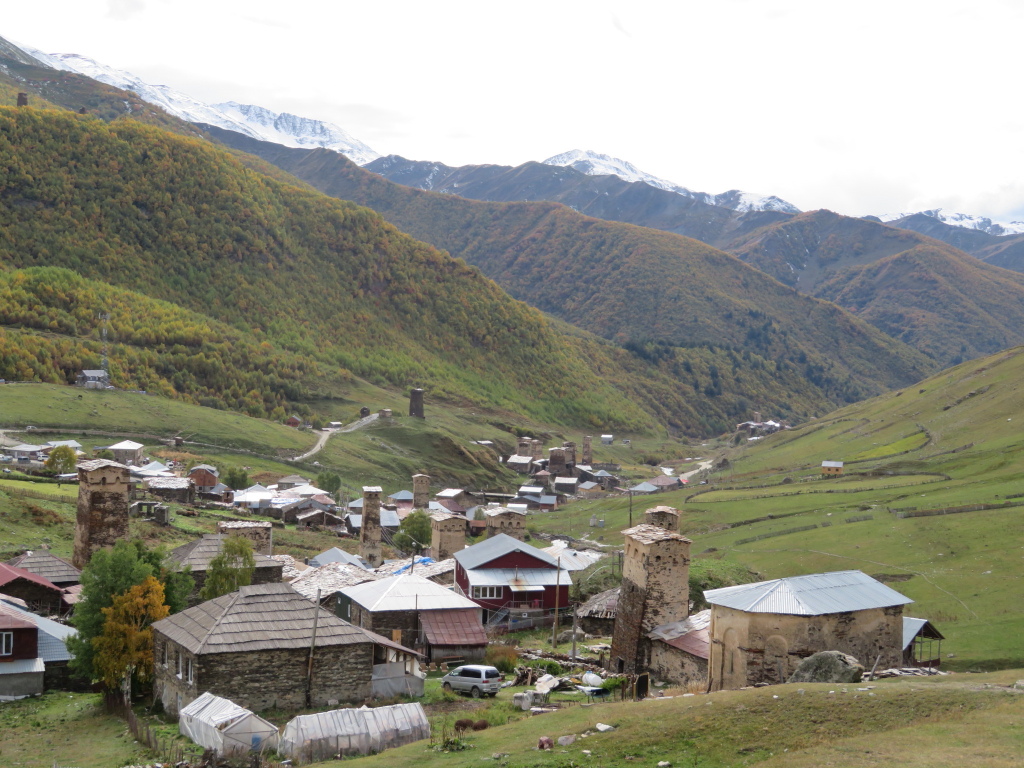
x=261 y=680
x=384 y=622
x=261 y=534
x=447 y=536
x=751 y=648
x=663 y=517
x=675 y=666
x=262 y=574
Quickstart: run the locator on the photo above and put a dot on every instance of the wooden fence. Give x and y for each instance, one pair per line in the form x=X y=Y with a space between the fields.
x=26 y=493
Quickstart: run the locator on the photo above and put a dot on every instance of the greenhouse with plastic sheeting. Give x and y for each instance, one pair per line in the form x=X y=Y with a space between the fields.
x=310 y=738
x=222 y=725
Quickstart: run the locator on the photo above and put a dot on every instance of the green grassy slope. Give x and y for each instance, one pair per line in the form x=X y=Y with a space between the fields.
x=626 y=283
x=948 y=443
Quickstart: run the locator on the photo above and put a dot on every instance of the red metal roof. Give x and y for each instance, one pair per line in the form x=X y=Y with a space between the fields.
x=696 y=643
x=453 y=627
x=9 y=573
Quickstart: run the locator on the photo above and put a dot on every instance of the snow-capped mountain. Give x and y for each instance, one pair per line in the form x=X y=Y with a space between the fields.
x=596 y=164
x=253 y=121
x=965 y=220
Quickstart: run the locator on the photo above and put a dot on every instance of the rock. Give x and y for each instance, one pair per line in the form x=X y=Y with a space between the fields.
x=828 y=667
x=604 y=727
x=566 y=636
x=586 y=752
x=664 y=764
x=565 y=741
x=545 y=742
x=1019 y=684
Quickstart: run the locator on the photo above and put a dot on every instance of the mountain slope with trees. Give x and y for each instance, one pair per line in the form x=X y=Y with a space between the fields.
x=630 y=284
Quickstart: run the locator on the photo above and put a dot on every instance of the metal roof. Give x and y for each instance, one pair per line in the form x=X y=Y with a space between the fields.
x=914 y=627
x=125 y=445
x=51 y=637
x=832 y=464
x=22 y=666
x=401 y=496
x=644 y=487
x=512 y=577
x=262 y=617
x=454 y=627
x=813 y=595
x=9 y=573
x=336 y=555
x=500 y=544
x=689 y=635
x=406 y=592
x=572 y=559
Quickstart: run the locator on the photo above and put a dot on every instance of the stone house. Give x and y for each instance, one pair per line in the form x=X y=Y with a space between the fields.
x=127 y=452
x=460 y=496
x=319 y=518
x=56 y=570
x=291 y=481
x=260 y=533
x=418 y=613
x=268 y=646
x=507 y=521
x=760 y=632
x=680 y=650
x=502 y=573
x=180 y=490
x=198 y=554
x=40 y=595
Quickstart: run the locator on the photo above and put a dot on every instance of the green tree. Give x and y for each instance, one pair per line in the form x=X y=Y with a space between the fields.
x=106 y=453
x=414 y=533
x=124 y=651
x=110 y=572
x=236 y=478
x=328 y=481
x=231 y=569
x=62 y=460
x=176 y=581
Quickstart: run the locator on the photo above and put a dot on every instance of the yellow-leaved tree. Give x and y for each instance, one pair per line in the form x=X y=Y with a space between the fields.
x=124 y=652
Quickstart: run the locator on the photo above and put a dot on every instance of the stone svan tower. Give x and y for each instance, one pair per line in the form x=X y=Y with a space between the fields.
x=655 y=591
x=261 y=534
x=369 y=531
x=416 y=403
x=102 y=517
x=447 y=535
x=663 y=517
x=588 y=451
x=420 y=491
x=556 y=463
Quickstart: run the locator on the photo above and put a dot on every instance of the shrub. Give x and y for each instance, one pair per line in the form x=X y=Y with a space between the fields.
x=504 y=657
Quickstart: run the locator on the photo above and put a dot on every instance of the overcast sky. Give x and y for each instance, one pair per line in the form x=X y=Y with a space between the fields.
x=868 y=107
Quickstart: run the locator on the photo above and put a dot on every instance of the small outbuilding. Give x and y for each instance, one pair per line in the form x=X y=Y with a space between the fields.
x=348 y=732
x=223 y=726
x=831 y=468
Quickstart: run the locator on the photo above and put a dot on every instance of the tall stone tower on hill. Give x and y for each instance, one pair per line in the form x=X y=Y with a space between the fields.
x=655 y=591
x=102 y=516
x=369 y=531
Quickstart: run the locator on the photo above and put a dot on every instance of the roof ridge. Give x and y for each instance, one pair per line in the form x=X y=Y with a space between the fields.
x=231 y=604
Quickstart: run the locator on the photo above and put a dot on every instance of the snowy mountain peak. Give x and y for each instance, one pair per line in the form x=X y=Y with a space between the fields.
x=965 y=220
x=247 y=119
x=597 y=164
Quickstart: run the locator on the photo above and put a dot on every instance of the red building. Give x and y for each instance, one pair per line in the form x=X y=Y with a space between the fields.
x=21 y=669
x=41 y=595
x=505 y=575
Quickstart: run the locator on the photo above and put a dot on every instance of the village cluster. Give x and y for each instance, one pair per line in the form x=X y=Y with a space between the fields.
x=346 y=628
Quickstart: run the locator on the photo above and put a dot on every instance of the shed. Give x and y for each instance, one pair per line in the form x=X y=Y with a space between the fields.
x=50 y=567
x=831 y=468
x=345 y=732
x=221 y=725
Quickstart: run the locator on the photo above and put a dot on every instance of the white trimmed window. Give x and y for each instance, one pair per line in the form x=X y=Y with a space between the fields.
x=179 y=664
x=188 y=669
x=487 y=593
x=6 y=643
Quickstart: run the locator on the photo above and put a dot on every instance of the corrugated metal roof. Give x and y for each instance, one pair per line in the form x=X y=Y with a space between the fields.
x=530 y=577
x=21 y=666
x=572 y=559
x=262 y=617
x=454 y=627
x=689 y=635
x=500 y=544
x=125 y=445
x=813 y=595
x=832 y=464
x=603 y=605
x=914 y=627
x=406 y=592
x=9 y=573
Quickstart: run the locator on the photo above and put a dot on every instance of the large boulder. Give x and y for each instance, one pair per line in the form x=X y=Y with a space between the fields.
x=828 y=667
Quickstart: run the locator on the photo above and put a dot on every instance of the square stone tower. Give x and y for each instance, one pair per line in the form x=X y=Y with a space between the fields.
x=536 y=450
x=261 y=534
x=369 y=531
x=588 y=451
x=420 y=491
x=524 y=446
x=556 y=463
x=447 y=535
x=102 y=517
x=570 y=453
x=655 y=591
x=416 y=403
x=663 y=517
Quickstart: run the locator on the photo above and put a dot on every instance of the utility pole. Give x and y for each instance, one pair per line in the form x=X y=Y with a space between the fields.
x=558 y=587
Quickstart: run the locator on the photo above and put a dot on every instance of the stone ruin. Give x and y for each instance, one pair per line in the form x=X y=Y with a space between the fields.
x=416 y=403
x=260 y=533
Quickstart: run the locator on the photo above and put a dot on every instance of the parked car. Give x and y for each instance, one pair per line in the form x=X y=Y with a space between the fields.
x=474 y=679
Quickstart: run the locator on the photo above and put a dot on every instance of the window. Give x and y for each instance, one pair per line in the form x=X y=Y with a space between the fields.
x=179 y=664
x=6 y=643
x=487 y=593
x=165 y=654
x=188 y=669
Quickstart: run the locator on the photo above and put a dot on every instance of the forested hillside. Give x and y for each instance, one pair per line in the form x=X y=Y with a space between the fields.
x=630 y=284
